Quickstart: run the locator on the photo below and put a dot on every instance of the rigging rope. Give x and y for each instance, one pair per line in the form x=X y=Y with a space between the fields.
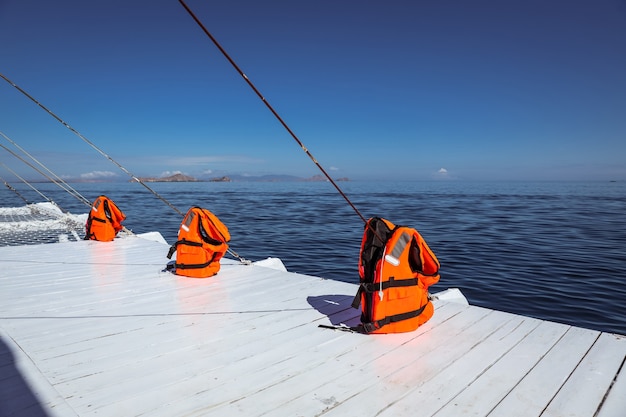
x=61 y=184
x=6 y=184
x=33 y=188
x=58 y=180
x=282 y=122
x=232 y=252
x=87 y=141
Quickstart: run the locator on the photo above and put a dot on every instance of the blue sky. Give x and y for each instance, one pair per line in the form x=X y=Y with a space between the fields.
x=413 y=90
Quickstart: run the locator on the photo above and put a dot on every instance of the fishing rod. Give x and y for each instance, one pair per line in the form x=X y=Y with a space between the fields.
x=134 y=178
x=268 y=105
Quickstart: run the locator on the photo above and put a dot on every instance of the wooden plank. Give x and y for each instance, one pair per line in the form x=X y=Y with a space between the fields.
x=106 y=332
x=311 y=370
x=297 y=362
x=537 y=388
x=449 y=366
x=124 y=341
x=455 y=376
x=370 y=378
x=243 y=372
x=615 y=402
x=88 y=372
x=21 y=396
x=487 y=391
x=95 y=324
x=585 y=389
x=242 y=352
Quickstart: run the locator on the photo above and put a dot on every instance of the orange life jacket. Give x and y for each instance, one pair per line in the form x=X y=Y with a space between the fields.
x=104 y=220
x=396 y=268
x=201 y=244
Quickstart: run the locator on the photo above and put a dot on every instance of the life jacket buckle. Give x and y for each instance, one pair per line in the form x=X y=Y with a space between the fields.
x=369 y=327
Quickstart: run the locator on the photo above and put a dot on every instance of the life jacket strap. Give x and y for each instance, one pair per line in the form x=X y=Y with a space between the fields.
x=193 y=266
x=356 y=303
x=181 y=242
x=375 y=325
x=196 y=266
x=211 y=241
x=371 y=287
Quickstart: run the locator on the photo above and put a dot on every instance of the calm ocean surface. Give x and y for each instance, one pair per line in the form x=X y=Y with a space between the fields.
x=555 y=251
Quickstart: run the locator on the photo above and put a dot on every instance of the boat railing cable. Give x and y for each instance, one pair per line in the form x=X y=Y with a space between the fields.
x=33 y=188
x=87 y=141
x=268 y=105
x=101 y=152
x=56 y=180
x=59 y=182
x=61 y=185
x=6 y=184
x=42 y=225
x=78 y=196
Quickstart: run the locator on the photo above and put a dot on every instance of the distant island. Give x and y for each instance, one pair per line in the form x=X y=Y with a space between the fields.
x=323 y=178
x=238 y=178
x=182 y=178
x=189 y=178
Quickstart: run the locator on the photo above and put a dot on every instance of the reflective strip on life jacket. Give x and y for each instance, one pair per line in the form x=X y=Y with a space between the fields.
x=398 y=249
x=187 y=221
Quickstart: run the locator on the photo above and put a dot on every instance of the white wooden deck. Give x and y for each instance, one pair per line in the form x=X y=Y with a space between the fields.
x=94 y=328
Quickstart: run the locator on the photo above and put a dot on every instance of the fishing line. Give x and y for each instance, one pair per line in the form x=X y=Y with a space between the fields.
x=101 y=152
x=258 y=93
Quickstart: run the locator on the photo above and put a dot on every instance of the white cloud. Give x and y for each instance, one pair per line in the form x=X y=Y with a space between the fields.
x=93 y=175
x=333 y=169
x=442 y=174
x=169 y=173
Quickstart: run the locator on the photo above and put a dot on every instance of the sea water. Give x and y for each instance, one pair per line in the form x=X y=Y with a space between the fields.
x=551 y=250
